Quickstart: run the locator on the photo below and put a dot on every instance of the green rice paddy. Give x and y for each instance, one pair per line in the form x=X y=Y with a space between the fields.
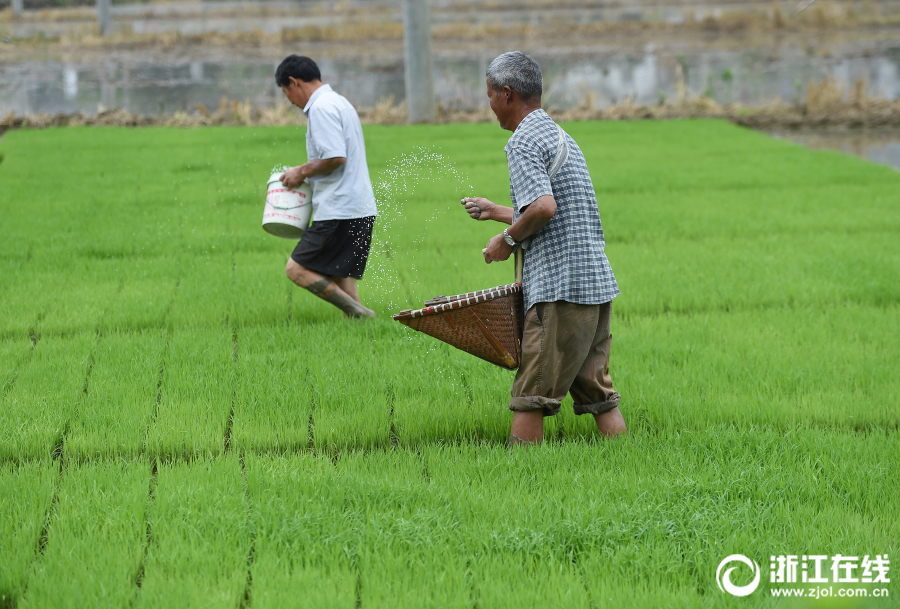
x=181 y=427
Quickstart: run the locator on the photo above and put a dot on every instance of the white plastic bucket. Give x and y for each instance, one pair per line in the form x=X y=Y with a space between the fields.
x=288 y=210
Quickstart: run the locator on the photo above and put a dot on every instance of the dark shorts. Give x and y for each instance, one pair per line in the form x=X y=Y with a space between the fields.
x=336 y=248
x=565 y=349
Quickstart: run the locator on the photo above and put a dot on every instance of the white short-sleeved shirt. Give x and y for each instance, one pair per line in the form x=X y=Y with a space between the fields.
x=333 y=130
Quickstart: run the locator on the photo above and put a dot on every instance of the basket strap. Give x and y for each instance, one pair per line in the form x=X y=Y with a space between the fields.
x=559 y=159
x=562 y=153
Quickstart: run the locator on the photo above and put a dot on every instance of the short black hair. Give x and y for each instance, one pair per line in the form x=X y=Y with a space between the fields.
x=301 y=68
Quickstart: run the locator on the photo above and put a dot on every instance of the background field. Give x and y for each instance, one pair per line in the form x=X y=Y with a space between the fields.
x=179 y=426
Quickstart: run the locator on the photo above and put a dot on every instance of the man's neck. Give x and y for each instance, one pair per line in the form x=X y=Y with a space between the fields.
x=309 y=88
x=520 y=115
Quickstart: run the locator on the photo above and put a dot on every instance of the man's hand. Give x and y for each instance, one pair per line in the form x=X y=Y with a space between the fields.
x=293 y=177
x=497 y=250
x=479 y=208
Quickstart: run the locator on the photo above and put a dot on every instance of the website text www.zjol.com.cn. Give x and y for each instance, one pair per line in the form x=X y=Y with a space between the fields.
x=829 y=592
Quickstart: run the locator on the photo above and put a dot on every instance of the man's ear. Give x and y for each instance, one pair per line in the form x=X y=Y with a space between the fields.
x=507 y=93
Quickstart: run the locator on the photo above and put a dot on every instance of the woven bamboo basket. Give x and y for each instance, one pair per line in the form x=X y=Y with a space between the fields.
x=487 y=323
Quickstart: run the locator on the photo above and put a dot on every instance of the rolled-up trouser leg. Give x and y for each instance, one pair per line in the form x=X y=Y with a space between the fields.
x=592 y=388
x=557 y=339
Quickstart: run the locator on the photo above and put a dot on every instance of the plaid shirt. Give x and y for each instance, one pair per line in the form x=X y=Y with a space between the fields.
x=565 y=260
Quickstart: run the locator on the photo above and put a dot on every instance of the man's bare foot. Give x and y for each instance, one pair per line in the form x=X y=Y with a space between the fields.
x=329 y=290
x=361 y=315
x=611 y=423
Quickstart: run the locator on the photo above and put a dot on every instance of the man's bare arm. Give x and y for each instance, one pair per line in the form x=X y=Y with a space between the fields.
x=295 y=175
x=532 y=219
x=480 y=208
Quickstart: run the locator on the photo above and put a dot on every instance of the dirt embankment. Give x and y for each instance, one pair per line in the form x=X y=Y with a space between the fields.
x=468 y=22
x=827 y=105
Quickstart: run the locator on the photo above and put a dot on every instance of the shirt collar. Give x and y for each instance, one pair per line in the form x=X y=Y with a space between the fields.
x=534 y=115
x=312 y=98
x=531 y=116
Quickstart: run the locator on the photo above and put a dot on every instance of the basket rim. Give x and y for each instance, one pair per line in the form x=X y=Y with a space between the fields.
x=461 y=301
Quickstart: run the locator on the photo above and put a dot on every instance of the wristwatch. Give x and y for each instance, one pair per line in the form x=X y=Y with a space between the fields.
x=508 y=238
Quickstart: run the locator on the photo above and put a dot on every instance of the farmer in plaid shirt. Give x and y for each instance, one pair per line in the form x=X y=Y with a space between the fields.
x=568 y=283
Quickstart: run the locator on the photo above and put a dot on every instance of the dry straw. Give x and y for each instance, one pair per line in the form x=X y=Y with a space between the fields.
x=454 y=22
x=827 y=103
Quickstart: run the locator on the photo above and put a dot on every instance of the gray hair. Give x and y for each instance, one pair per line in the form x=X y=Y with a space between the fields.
x=517 y=71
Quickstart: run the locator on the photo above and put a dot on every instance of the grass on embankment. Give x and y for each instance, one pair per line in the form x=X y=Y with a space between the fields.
x=146 y=326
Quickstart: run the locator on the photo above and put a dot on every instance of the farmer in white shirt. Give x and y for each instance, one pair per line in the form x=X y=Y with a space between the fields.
x=332 y=255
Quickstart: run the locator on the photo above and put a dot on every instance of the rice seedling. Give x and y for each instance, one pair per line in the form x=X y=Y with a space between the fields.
x=12 y=354
x=261 y=294
x=302 y=547
x=201 y=536
x=273 y=400
x=396 y=573
x=447 y=524
x=18 y=313
x=95 y=539
x=121 y=403
x=196 y=395
x=203 y=298
x=538 y=582
x=84 y=294
x=349 y=397
x=278 y=582
x=774 y=367
x=722 y=490
x=439 y=392
x=72 y=305
x=148 y=289
x=26 y=490
x=753 y=345
x=35 y=413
